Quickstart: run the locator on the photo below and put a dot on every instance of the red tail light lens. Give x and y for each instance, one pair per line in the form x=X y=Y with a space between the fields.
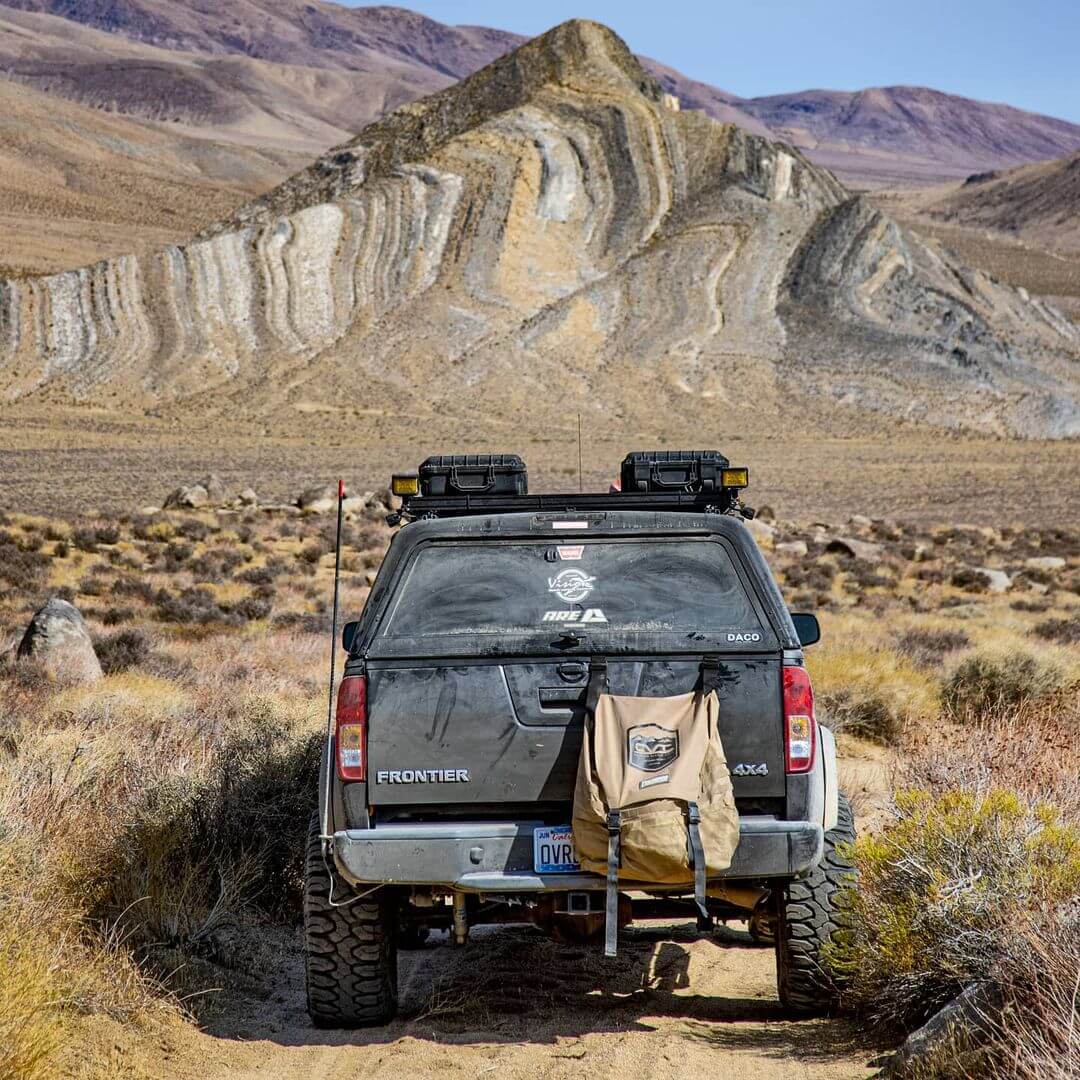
x=351 y=734
x=800 y=727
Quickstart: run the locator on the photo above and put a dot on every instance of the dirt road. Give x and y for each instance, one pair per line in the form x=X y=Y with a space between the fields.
x=512 y=1006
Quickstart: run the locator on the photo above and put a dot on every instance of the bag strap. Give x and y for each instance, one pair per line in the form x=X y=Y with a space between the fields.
x=697 y=855
x=598 y=684
x=710 y=674
x=611 y=913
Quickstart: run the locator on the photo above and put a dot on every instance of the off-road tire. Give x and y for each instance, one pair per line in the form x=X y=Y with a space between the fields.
x=351 y=950
x=807 y=917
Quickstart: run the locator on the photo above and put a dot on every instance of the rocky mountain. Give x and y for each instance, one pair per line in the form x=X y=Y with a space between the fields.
x=311 y=72
x=1039 y=204
x=549 y=234
x=77 y=184
x=905 y=134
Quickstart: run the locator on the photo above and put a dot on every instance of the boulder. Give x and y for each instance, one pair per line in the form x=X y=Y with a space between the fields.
x=856 y=549
x=188 y=497
x=859 y=521
x=1045 y=562
x=796 y=548
x=956 y=1035
x=318 y=500
x=997 y=581
x=149 y=511
x=248 y=497
x=216 y=491
x=57 y=638
x=763 y=533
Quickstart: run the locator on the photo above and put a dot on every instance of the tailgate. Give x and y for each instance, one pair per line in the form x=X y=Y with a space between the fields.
x=466 y=733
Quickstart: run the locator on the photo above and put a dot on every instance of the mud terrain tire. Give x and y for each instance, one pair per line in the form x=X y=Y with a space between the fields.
x=807 y=917
x=351 y=950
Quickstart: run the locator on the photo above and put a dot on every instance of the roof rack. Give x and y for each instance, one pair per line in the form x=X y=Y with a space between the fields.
x=443 y=506
x=459 y=485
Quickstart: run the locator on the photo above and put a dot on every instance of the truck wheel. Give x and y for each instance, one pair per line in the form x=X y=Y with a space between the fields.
x=808 y=916
x=351 y=950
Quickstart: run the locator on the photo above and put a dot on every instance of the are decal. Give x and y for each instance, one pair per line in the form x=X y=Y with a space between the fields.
x=748 y=637
x=575 y=615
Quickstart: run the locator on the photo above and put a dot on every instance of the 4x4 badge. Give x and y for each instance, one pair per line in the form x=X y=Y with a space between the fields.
x=650 y=748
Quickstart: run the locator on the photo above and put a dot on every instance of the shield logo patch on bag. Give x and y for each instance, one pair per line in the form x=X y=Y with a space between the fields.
x=651 y=747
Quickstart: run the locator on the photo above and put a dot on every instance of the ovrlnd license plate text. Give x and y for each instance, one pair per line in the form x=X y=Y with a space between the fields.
x=553 y=850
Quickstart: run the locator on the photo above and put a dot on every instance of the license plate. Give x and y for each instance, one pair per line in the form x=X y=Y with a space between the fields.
x=553 y=850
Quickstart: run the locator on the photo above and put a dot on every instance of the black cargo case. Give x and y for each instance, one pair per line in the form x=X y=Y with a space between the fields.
x=473 y=474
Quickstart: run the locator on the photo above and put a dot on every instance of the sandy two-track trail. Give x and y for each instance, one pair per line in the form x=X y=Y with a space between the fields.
x=513 y=1005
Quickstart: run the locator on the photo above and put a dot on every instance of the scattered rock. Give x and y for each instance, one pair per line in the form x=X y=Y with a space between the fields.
x=762 y=532
x=248 y=497
x=318 y=500
x=215 y=490
x=796 y=548
x=765 y=513
x=857 y=549
x=149 y=511
x=997 y=581
x=1045 y=562
x=859 y=521
x=953 y=1035
x=57 y=637
x=916 y=552
x=188 y=497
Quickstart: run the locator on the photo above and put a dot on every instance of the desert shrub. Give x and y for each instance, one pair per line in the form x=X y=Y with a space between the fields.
x=192 y=853
x=969 y=580
x=195 y=605
x=817 y=576
x=122 y=650
x=53 y=531
x=1034 y=1032
x=194 y=529
x=941 y=890
x=1033 y=606
x=206 y=569
x=259 y=575
x=114 y=616
x=869 y=692
x=130 y=586
x=147 y=528
x=251 y=608
x=313 y=552
x=88 y=537
x=23 y=570
x=990 y=680
x=94 y=584
x=306 y=624
x=61 y=549
x=928 y=646
x=1063 y=631
x=177 y=556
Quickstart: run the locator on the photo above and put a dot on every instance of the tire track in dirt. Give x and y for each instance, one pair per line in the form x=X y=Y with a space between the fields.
x=515 y=1005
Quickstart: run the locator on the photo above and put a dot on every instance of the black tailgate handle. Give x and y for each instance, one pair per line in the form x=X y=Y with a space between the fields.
x=572 y=671
x=561 y=697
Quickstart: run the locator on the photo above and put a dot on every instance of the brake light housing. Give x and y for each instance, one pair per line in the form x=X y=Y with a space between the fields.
x=800 y=724
x=350 y=737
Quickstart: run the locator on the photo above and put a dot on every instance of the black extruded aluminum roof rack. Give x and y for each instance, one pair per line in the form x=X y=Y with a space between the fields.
x=724 y=501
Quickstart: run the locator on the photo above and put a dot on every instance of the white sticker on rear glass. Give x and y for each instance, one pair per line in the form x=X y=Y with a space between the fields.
x=568 y=552
x=569 y=524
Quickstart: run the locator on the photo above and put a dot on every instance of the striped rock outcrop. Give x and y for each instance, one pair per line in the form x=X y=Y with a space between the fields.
x=550 y=230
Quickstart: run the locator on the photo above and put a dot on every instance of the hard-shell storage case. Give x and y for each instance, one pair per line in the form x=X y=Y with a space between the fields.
x=672 y=470
x=474 y=474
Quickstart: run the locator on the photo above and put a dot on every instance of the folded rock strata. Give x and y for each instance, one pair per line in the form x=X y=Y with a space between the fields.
x=549 y=230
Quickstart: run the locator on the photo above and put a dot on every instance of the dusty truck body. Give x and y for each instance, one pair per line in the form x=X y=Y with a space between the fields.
x=448 y=783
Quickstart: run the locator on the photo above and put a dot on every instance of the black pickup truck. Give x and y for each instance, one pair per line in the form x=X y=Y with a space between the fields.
x=448 y=776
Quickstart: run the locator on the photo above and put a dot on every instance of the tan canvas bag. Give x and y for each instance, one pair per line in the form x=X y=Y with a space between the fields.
x=653 y=801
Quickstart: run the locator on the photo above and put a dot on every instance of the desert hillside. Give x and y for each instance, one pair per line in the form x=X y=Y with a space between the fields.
x=548 y=232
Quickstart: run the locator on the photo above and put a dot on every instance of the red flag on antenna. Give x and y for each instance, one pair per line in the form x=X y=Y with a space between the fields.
x=341 y=489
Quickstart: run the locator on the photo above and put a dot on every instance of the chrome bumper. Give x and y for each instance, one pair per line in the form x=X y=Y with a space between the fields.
x=497 y=856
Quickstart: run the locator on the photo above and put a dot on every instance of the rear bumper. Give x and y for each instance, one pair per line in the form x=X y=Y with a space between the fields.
x=497 y=856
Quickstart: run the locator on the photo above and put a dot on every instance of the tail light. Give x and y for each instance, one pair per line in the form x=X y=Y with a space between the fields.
x=351 y=731
x=800 y=727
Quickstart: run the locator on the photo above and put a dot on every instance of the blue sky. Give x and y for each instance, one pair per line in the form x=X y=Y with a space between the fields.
x=1024 y=54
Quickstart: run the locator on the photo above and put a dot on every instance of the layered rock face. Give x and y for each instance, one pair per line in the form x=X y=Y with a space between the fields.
x=549 y=231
